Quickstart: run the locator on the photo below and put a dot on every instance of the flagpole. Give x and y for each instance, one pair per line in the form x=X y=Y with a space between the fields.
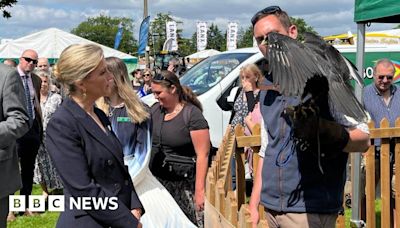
x=146 y=53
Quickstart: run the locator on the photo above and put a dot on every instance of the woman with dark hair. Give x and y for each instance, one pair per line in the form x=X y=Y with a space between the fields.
x=181 y=143
x=131 y=123
x=137 y=81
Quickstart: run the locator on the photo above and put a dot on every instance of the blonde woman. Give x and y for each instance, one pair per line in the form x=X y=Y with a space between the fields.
x=86 y=153
x=131 y=123
x=246 y=110
x=248 y=95
x=146 y=87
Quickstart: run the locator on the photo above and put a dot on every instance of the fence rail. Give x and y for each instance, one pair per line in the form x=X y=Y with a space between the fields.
x=228 y=208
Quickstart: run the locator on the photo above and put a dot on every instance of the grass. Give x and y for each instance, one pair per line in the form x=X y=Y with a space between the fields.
x=378 y=207
x=44 y=220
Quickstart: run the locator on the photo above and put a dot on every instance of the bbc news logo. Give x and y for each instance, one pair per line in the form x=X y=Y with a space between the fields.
x=37 y=203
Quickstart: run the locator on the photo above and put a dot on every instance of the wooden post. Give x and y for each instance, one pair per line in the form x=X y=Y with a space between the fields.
x=240 y=172
x=385 y=178
x=370 y=182
x=397 y=180
x=231 y=209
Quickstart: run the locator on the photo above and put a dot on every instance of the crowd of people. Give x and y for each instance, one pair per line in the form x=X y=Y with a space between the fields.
x=90 y=135
x=80 y=129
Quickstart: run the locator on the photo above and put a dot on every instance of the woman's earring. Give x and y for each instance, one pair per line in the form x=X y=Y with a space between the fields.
x=84 y=94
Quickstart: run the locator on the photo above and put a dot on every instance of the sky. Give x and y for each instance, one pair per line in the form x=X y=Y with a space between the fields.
x=327 y=17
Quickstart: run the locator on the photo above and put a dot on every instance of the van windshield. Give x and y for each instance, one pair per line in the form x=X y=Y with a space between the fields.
x=206 y=74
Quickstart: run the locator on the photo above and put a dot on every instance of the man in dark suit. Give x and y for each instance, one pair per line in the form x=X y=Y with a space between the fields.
x=28 y=145
x=13 y=124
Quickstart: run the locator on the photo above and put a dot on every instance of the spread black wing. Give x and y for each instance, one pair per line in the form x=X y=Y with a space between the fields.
x=293 y=64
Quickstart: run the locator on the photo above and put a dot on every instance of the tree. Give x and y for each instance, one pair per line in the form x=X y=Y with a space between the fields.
x=4 y=4
x=302 y=27
x=158 y=34
x=215 y=39
x=186 y=46
x=102 y=29
x=245 y=37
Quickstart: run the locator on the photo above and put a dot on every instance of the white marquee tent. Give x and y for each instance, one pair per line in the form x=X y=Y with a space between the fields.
x=51 y=42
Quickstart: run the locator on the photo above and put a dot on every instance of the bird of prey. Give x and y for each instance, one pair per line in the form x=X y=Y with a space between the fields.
x=313 y=69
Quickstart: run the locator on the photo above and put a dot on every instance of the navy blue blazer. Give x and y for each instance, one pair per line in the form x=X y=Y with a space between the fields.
x=90 y=164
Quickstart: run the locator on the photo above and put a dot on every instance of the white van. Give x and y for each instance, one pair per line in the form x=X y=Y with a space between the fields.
x=215 y=81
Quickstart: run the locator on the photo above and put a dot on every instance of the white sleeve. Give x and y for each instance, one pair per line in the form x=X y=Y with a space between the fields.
x=348 y=121
x=264 y=139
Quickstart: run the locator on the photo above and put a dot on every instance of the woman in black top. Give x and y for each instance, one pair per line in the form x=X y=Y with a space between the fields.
x=181 y=143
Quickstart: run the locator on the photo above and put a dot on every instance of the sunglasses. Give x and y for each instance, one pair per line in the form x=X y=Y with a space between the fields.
x=159 y=77
x=29 y=60
x=388 y=77
x=263 y=12
x=146 y=75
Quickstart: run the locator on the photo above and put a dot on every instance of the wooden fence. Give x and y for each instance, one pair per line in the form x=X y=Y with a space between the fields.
x=385 y=133
x=227 y=208
x=224 y=207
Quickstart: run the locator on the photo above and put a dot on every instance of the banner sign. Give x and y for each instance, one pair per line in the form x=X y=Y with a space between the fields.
x=118 y=36
x=201 y=36
x=143 y=35
x=171 y=33
x=231 y=36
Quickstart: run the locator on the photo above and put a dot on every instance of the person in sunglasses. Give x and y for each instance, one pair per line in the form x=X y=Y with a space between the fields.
x=296 y=188
x=28 y=145
x=382 y=100
x=145 y=89
x=181 y=143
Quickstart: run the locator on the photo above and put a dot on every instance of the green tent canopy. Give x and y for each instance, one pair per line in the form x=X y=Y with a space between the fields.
x=383 y=11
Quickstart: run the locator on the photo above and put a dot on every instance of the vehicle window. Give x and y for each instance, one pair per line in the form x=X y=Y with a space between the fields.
x=206 y=74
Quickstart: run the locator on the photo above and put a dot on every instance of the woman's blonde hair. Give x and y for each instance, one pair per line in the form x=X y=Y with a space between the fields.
x=253 y=69
x=76 y=62
x=43 y=73
x=134 y=107
x=147 y=70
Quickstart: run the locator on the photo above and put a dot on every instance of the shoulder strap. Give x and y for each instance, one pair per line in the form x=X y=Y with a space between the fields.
x=186 y=115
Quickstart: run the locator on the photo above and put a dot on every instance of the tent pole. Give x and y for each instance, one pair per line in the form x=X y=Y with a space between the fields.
x=355 y=220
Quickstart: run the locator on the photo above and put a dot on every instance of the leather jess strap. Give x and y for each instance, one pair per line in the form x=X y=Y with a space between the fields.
x=269 y=87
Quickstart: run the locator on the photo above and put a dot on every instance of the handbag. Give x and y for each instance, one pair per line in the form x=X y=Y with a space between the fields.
x=178 y=167
x=173 y=167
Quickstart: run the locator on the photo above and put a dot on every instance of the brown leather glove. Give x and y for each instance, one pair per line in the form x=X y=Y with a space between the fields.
x=333 y=136
x=309 y=129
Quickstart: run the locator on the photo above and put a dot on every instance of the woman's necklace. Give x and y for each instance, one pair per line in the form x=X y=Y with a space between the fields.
x=176 y=110
x=111 y=109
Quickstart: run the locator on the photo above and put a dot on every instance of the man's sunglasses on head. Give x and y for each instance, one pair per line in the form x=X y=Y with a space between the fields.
x=263 y=12
x=29 y=60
